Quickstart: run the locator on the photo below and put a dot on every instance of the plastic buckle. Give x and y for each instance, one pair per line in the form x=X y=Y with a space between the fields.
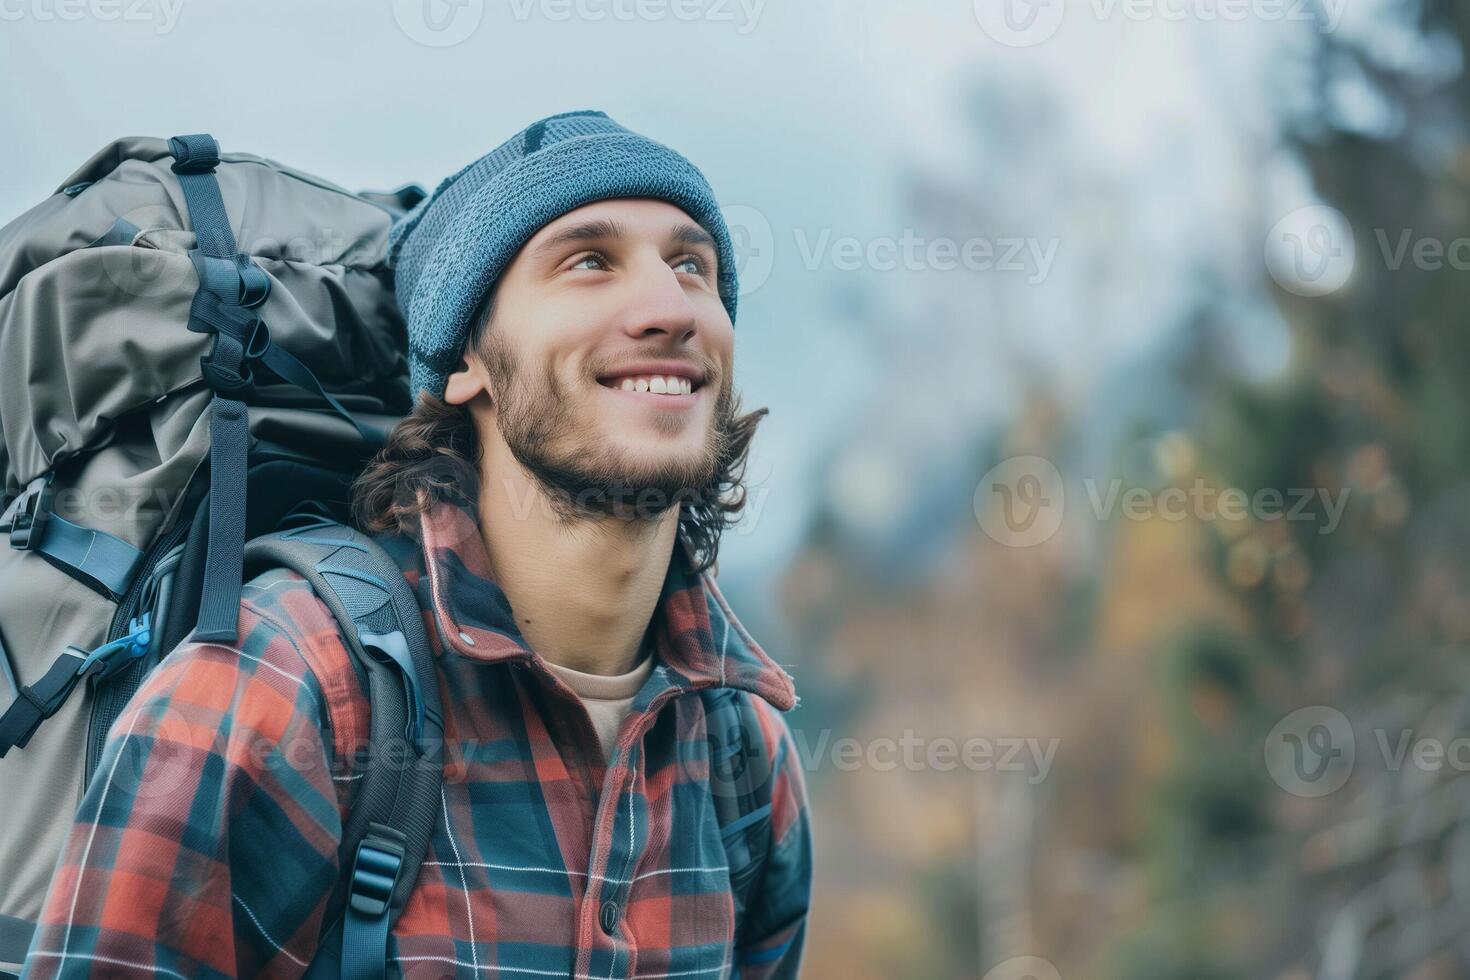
x=28 y=519
x=121 y=651
x=375 y=871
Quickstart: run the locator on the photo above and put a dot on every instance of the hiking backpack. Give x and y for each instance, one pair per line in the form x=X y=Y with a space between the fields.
x=180 y=410
x=168 y=392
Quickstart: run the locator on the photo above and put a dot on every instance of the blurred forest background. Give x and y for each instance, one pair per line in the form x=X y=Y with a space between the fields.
x=1166 y=653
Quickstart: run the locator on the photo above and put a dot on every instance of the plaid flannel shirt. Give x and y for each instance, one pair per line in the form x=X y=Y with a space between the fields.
x=207 y=845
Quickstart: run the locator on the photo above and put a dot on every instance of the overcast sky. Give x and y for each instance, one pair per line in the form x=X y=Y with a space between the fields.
x=810 y=114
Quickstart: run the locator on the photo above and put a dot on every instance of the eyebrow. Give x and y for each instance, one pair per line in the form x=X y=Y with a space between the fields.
x=603 y=229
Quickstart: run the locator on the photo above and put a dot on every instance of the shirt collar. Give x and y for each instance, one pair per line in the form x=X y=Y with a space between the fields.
x=697 y=634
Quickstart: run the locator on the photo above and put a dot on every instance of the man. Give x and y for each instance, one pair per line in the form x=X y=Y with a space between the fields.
x=555 y=498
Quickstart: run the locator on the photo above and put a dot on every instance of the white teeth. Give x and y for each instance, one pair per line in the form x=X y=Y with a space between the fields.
x=660 y=384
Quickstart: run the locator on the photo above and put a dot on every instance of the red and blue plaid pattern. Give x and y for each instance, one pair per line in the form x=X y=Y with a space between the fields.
x=207 y=844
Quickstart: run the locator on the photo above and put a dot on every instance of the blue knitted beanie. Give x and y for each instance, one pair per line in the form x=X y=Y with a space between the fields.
x=449 y=250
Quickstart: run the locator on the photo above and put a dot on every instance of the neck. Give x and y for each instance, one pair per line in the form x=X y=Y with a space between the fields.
x=583 y=591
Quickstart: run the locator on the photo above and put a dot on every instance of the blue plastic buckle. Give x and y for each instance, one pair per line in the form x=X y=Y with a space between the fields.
x=375 y=874
x=121 y=651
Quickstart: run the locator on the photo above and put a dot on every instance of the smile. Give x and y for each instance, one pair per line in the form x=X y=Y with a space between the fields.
x=658 y=384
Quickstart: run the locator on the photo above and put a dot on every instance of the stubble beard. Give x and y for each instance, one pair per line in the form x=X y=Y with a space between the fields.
x=580 y=477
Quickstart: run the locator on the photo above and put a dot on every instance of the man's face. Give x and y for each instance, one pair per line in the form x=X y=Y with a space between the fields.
x=609 y=357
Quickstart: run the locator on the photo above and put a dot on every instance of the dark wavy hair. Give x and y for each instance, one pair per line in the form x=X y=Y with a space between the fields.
x=435 y=447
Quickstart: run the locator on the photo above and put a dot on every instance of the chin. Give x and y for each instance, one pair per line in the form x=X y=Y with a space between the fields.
x=641 y=463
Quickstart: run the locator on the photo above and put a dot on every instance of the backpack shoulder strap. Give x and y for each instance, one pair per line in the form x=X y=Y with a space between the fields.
x=388 y=831
x=741 y=777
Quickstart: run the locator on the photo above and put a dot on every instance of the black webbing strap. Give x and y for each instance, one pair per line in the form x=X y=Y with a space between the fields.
x=39 y=701
x=195 y=157
x=231 y=287
x=225 y=279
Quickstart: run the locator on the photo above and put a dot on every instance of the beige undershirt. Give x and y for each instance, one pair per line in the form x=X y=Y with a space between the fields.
x=607 y=698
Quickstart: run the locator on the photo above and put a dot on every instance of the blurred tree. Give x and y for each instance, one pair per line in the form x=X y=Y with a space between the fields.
x=1372 y=618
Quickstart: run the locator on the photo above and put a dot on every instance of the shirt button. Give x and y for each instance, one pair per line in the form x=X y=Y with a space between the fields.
x=609 y=916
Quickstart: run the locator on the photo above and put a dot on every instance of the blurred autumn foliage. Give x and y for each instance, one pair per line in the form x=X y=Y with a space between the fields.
x=1161 y=652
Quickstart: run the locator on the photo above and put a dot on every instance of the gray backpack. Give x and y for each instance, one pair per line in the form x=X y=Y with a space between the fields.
x=198 y=354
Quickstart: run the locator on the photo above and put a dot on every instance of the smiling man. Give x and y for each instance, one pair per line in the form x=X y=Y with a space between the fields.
x=556 y=498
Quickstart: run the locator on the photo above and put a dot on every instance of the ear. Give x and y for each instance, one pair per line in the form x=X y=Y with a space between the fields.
x=467 y=381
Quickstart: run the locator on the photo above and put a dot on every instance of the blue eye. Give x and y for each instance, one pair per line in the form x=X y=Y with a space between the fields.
x=592 y=257
x=698 y=269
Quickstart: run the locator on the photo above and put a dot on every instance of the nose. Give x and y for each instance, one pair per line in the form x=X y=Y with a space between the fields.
x=657 y=305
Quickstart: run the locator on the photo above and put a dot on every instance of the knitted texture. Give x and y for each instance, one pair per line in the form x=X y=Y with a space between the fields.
x=449 y=250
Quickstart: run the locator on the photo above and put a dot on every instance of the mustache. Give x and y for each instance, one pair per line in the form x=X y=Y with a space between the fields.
x=707 y=366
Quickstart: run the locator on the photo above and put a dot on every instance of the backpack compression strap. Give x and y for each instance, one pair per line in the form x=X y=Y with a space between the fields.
x=231 y=287
x=397 y=805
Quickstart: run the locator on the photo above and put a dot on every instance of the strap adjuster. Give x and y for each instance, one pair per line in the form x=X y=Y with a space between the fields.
x=29 y=514
x=375 y=870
